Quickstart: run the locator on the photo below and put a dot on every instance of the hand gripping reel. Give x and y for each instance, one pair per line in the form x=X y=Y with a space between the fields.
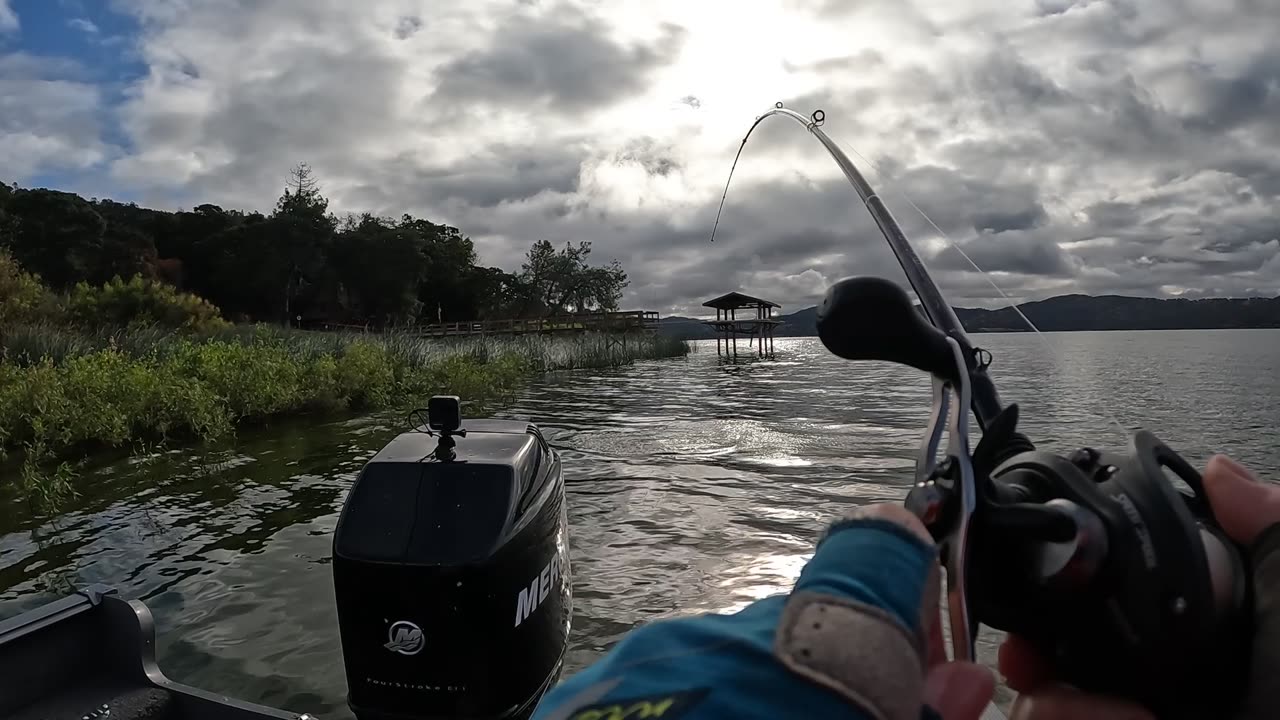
x=1126 y=585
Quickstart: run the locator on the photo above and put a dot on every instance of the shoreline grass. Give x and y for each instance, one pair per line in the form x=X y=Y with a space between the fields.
x=65 y=393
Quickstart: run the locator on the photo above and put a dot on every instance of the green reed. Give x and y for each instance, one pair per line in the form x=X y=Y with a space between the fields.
x=65 y=394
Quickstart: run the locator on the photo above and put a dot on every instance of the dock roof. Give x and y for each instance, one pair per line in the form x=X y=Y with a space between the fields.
x=735 y=300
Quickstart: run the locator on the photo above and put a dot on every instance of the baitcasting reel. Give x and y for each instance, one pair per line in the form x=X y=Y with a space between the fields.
x=1124 y=582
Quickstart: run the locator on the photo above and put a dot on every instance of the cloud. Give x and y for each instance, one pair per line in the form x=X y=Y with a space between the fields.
x=407 y=27
x=50 y=116
x=8 y=18
x=84 y=25
x=565 y=62
x=1063 y=145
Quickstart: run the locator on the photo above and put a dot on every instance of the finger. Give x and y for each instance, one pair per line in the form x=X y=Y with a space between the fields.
x=959 y=690
x=1022 y=667
x=1243 y=505
x=1062 y=703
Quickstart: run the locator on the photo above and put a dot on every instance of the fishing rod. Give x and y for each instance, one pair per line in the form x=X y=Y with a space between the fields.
x=986 y=401
x=1125 y=583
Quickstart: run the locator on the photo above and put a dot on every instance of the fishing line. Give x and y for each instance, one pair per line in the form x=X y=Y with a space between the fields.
x=1052 y=351
x=733 y=167
x=883 y=219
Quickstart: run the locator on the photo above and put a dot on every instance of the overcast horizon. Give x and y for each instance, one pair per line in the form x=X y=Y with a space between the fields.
x=1089 y=146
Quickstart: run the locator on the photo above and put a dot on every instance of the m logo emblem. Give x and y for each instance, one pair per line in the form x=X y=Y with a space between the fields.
x=405 y=638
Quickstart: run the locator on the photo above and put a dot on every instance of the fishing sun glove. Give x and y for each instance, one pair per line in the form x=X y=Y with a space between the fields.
x=848 y=642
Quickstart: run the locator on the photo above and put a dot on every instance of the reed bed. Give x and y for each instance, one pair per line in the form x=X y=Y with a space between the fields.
x=65 y=393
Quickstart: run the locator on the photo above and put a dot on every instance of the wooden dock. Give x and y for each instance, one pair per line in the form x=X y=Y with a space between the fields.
x=758 y=330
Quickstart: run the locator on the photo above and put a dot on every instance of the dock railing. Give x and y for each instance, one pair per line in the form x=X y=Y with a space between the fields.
x=609 y=322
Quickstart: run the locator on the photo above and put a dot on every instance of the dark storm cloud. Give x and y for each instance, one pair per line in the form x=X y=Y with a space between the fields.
x=1006 y=84
x=1057 y=7
x=960 y=203
x=1222 y=104
x=1011 y=252
x=997 y=221
x=501 y=174
x=564 y=61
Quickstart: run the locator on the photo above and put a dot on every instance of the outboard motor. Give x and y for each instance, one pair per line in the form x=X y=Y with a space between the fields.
x=451 y=570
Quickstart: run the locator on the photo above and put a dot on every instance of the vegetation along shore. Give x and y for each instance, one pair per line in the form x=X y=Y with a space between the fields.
x=209 y=330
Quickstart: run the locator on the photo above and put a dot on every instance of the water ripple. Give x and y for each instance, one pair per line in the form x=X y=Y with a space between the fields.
x=694 y=485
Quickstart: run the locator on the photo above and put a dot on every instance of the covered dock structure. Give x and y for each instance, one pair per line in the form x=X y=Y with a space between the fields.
x=757 y=325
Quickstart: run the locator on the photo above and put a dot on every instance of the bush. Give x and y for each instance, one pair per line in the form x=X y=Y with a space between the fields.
x=141 y=303
x=70 y=394
x=23 y=298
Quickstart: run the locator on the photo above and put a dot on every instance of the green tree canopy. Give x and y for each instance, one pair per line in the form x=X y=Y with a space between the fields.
x=298 y=261
x=562 y=281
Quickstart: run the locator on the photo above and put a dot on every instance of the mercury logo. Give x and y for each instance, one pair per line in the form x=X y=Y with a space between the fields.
x=543 y=583
x=405 y=638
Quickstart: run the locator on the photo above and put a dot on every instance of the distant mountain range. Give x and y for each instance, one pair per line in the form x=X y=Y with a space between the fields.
x=1062 y=313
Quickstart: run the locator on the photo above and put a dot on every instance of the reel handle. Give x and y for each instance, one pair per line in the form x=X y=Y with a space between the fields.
x=871 y=318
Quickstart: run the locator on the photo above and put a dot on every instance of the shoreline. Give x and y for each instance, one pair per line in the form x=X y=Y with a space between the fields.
x=140 y=391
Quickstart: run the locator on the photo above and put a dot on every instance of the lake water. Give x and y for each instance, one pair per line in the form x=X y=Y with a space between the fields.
x=694 y=485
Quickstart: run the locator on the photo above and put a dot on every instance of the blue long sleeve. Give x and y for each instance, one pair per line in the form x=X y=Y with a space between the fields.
x=730 y=665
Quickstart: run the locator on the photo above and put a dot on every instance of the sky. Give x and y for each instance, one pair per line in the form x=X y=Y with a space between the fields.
x=1067 y=146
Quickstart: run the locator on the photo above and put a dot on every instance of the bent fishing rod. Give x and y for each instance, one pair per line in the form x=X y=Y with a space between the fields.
x=986 y=401
x=1123 y=581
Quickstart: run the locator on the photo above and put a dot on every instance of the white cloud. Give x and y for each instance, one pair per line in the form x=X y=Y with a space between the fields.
x=1070 y=145
x=84 y=25
x=50 y=117
x=8 y=18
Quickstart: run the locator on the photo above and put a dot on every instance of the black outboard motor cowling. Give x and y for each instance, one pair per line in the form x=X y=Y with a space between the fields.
x=451 y=571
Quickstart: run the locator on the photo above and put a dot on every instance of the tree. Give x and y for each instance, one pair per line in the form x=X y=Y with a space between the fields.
x=563 y=281
x=294 y=261
x=601 y=287
x=180 y=239
x=379 y=266
x=541 y=274
x=8 y=224
x=302 y=234
x=444 y=288
x=241 y=270
x=499 y=294
x=57 y=235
